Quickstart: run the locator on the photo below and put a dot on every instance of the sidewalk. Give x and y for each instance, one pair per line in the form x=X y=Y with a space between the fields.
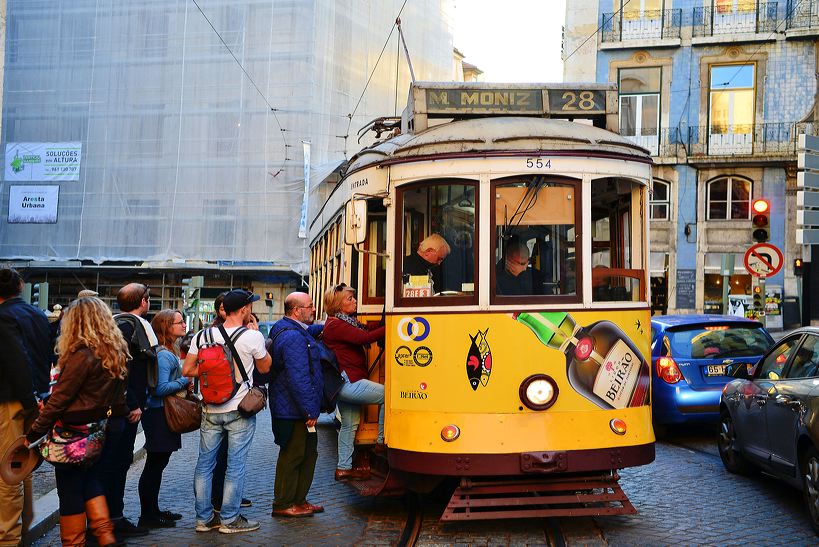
x=343 y=522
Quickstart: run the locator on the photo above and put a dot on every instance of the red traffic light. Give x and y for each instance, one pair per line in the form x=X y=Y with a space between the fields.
x=761 y=205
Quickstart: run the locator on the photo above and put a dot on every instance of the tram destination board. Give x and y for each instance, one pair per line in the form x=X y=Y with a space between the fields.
x=500 y=101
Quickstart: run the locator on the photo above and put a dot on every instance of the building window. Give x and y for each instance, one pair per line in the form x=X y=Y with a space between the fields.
x=731 y=109
x=729 y=199
x=660 y=200
x=640 y=106
x=642 y=18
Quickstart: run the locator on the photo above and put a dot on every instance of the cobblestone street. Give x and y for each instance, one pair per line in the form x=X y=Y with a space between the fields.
x=684 y=497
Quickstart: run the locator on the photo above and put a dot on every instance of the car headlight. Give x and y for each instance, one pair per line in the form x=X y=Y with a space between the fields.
x=538 y=392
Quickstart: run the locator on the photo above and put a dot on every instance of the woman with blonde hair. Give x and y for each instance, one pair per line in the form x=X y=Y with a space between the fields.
x=91 y=385
x=347 y=338
x=160 y=441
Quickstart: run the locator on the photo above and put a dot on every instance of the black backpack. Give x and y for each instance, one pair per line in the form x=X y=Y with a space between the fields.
x=139 y=341
x=333 y=382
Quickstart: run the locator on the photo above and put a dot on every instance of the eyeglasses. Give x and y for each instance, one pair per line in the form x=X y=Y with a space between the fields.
x=178 y=323
x=518 y=262
x=310 y=306
x=147 y=294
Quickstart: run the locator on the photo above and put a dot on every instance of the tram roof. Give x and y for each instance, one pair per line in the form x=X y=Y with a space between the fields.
x=503 y=134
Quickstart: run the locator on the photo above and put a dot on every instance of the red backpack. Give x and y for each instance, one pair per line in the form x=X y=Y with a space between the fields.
x=217 y=366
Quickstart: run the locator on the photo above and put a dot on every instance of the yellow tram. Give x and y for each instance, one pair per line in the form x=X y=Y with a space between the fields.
x=503 y=232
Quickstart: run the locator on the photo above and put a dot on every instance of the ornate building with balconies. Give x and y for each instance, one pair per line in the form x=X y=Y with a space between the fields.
x=718 y=91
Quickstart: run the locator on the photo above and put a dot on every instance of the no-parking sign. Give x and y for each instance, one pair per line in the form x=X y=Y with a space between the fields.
x=763 y=260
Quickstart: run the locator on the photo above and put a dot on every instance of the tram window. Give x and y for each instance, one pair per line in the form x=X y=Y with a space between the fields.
x=438 y=235
x=535 y=244
x=375 y=265
x=617 y=223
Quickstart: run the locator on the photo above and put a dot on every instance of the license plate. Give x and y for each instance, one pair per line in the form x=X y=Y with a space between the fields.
x=715 y=370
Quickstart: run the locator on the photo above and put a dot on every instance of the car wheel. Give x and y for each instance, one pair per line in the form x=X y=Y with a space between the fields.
x=727 y=446
x=810 y=486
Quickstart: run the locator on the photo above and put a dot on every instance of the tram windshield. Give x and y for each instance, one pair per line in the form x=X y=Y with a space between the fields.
x=535 y=243
x=438 y=239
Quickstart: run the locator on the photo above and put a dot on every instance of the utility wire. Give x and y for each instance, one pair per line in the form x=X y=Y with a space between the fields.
x=372 y=73
x=259 y=91
x=593 y=34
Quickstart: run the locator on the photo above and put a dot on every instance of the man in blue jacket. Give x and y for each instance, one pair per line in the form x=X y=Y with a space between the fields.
x=295 y=402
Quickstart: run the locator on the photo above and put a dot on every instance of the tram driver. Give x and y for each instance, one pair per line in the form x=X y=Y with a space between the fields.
x=514 y=276
x=426 y=261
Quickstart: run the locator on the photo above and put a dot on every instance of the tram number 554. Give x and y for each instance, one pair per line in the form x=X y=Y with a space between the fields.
x=538 y=163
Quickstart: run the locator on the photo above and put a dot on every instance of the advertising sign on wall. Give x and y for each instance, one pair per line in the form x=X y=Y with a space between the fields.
x=42 y=161
x=33 y=204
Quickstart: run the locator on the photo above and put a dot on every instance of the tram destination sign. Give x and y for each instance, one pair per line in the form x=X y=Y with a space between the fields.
x=503 y=101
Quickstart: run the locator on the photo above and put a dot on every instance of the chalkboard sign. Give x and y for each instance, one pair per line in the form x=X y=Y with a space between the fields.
x=686 y=289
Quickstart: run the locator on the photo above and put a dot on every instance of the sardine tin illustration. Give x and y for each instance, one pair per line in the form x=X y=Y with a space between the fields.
x=479 y=360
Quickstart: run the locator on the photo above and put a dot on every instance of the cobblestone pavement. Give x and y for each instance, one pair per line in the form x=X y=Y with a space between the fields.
x=345 y=517
x=684 y=497
x=687 y=497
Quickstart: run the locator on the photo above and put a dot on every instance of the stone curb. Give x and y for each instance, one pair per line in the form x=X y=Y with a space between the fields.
x=47 y=507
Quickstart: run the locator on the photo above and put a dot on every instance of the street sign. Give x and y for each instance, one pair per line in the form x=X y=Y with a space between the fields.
x=763 y=260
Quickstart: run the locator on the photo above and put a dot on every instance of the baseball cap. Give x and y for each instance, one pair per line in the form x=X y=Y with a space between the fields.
x=238 y=298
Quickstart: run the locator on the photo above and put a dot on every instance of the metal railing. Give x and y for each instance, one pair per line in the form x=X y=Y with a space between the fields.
x=802 y=14
x=665 y=142
x=651 y=24
x=710 y=21
x=772 y=139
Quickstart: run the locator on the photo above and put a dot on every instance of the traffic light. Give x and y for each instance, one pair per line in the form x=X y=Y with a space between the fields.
x=39 y=295
x=268 y=299
x=761 y=220
x=798 y=268
x=758 y=298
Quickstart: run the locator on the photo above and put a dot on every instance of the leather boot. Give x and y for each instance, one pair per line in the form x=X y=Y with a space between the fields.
x=99 y=521
x=72 y=530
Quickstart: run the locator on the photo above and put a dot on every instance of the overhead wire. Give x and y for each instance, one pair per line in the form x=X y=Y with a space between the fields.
x=273 y=110
x=372 y=73
x=597 y=31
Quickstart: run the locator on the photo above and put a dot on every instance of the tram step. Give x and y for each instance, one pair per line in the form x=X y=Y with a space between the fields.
x=577 y=495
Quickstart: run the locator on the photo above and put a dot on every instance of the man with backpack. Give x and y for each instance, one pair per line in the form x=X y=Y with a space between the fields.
x=223 y=358
x=295 y=403
x=134 y=301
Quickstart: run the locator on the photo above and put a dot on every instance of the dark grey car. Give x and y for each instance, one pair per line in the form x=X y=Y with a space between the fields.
x=769 y=416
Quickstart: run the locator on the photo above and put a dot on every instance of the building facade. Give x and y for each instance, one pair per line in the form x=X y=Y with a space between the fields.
x=718 y=91
x=188 y=133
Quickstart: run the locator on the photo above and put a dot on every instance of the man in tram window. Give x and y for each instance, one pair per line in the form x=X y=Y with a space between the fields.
x=426 y=261
x=514 y=276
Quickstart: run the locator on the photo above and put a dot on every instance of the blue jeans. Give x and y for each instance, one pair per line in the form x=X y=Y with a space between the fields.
x=350 y=399
x=238 y=431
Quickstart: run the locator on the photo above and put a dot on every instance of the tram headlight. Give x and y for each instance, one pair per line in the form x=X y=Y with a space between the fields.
x=538 y=392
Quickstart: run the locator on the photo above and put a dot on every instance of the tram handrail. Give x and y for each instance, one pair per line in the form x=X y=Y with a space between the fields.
x=601 y=275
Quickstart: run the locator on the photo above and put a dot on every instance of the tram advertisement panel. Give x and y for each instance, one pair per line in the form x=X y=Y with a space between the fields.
x=464 y=362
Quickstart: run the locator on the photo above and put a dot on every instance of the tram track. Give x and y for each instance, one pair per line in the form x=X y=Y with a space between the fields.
x=412 y=525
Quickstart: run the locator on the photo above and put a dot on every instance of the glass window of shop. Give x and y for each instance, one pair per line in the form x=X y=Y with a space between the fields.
x=739 y=283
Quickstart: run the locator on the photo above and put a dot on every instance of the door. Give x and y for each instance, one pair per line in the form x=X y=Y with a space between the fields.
x=787 y=403
x=751 y=419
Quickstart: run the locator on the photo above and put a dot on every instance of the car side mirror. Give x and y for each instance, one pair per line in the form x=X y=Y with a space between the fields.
x=737 y=370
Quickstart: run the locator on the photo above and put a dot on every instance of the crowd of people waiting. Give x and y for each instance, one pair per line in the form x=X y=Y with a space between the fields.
x=102 y=374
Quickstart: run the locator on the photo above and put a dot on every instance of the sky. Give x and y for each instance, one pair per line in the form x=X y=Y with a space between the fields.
x=511 y=40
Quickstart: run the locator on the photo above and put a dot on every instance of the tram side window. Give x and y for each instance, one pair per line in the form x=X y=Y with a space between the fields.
x=375 y=265
x=617 y=227
x=535 y=249
x=438 y=229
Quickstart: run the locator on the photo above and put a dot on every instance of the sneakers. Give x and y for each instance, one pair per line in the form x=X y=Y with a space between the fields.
x=170 y=515
x=244 y=503
x=241 y=524
x=212 y=524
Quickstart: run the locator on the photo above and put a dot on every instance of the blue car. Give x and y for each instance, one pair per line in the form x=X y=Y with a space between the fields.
x=689 y=354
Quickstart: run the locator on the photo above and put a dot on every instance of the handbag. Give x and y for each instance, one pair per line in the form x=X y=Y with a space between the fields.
x=183 y=412
x=256 y=397
x=75 y=445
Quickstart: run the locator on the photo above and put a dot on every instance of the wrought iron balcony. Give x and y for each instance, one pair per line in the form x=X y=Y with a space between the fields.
x=802 y=15
x=664 y=142
x=717 y=21
x=768 y=139
x=652 y=24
